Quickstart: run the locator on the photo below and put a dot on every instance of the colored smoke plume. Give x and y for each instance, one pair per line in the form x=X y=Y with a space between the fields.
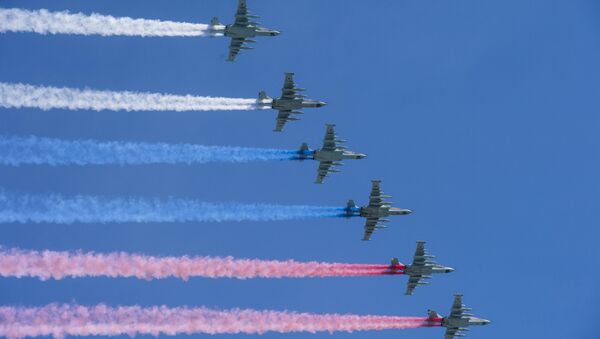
x=58 y=265
x=54 y=208
x=32 y=150
x=73 y=320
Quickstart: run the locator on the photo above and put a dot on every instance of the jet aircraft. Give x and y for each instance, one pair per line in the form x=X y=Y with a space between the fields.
x=375 y=211
x=458 y=321
x=289 y=102
x=421 y=268
x=329 y=155
x=241 y=30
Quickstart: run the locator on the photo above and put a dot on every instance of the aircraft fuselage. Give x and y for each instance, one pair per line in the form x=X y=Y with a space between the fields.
x=382 y=212
x=337 y=155
x=283 y=104
x=233 y=31
x=464 y=322
x=427 y=269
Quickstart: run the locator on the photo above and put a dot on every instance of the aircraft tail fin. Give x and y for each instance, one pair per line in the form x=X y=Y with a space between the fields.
x=214 y=21
x=304 y=151
x=433 y=315
x=262 y=95
x=395 y=262
x=351 y=208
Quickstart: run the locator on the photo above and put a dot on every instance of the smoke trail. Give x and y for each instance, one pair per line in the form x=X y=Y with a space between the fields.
x=55 y=208
x=44 y=22
x=62 y=320
x=45 y=98
x=17 y=151
x=58 y=265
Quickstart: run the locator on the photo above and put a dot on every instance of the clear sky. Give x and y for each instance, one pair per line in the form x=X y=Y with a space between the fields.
x=481 y=116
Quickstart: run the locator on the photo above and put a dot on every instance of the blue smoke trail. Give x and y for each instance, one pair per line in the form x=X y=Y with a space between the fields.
x=23 y=208
x=32 y=150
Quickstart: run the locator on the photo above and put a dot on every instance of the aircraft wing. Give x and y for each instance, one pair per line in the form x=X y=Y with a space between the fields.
x=234 y=48
x=282 y=117
x=330 y=139
x=289 y=90
x=452 y=332
x=370 y=226
x=241 y=16
x=323 y=170
x=413 y=282
x=457 y=312
x=421 y=258
x=376 y=199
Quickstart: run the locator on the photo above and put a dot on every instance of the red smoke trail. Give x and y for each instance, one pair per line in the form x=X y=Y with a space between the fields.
x=62 y=320
x=58 y=265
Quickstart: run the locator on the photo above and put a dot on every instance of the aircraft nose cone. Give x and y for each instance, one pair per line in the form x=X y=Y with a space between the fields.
x=321 y=104
x=274 y=33
x=407 y=211
x=361 y=156
x=449 y=269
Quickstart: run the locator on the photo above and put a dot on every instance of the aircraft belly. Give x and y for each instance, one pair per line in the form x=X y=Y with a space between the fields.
x=287 y=106
x=327 y=156
x=235 y=32
x=419 y=270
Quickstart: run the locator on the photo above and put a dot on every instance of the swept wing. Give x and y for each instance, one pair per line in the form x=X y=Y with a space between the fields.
x=242 y=19
x=420 y=259
x=457 y=312
x=289 y=92
x=330 y=144
x=376 y=200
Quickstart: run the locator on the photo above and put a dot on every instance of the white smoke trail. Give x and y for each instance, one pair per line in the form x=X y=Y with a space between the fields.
x=45 y=98
x=23 y=208
x=44 y=22
x=58 y=265
x=17 y=151
x=74 y=320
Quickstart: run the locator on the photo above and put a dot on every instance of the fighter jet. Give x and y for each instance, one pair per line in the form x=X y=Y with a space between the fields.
x=375 y=211
x=421 y=268
x=241 y=30
x=329 y=155
x=289 y=102
x=458 y=320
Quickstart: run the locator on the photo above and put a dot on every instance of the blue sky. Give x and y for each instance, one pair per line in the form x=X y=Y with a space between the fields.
x=481 y=116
